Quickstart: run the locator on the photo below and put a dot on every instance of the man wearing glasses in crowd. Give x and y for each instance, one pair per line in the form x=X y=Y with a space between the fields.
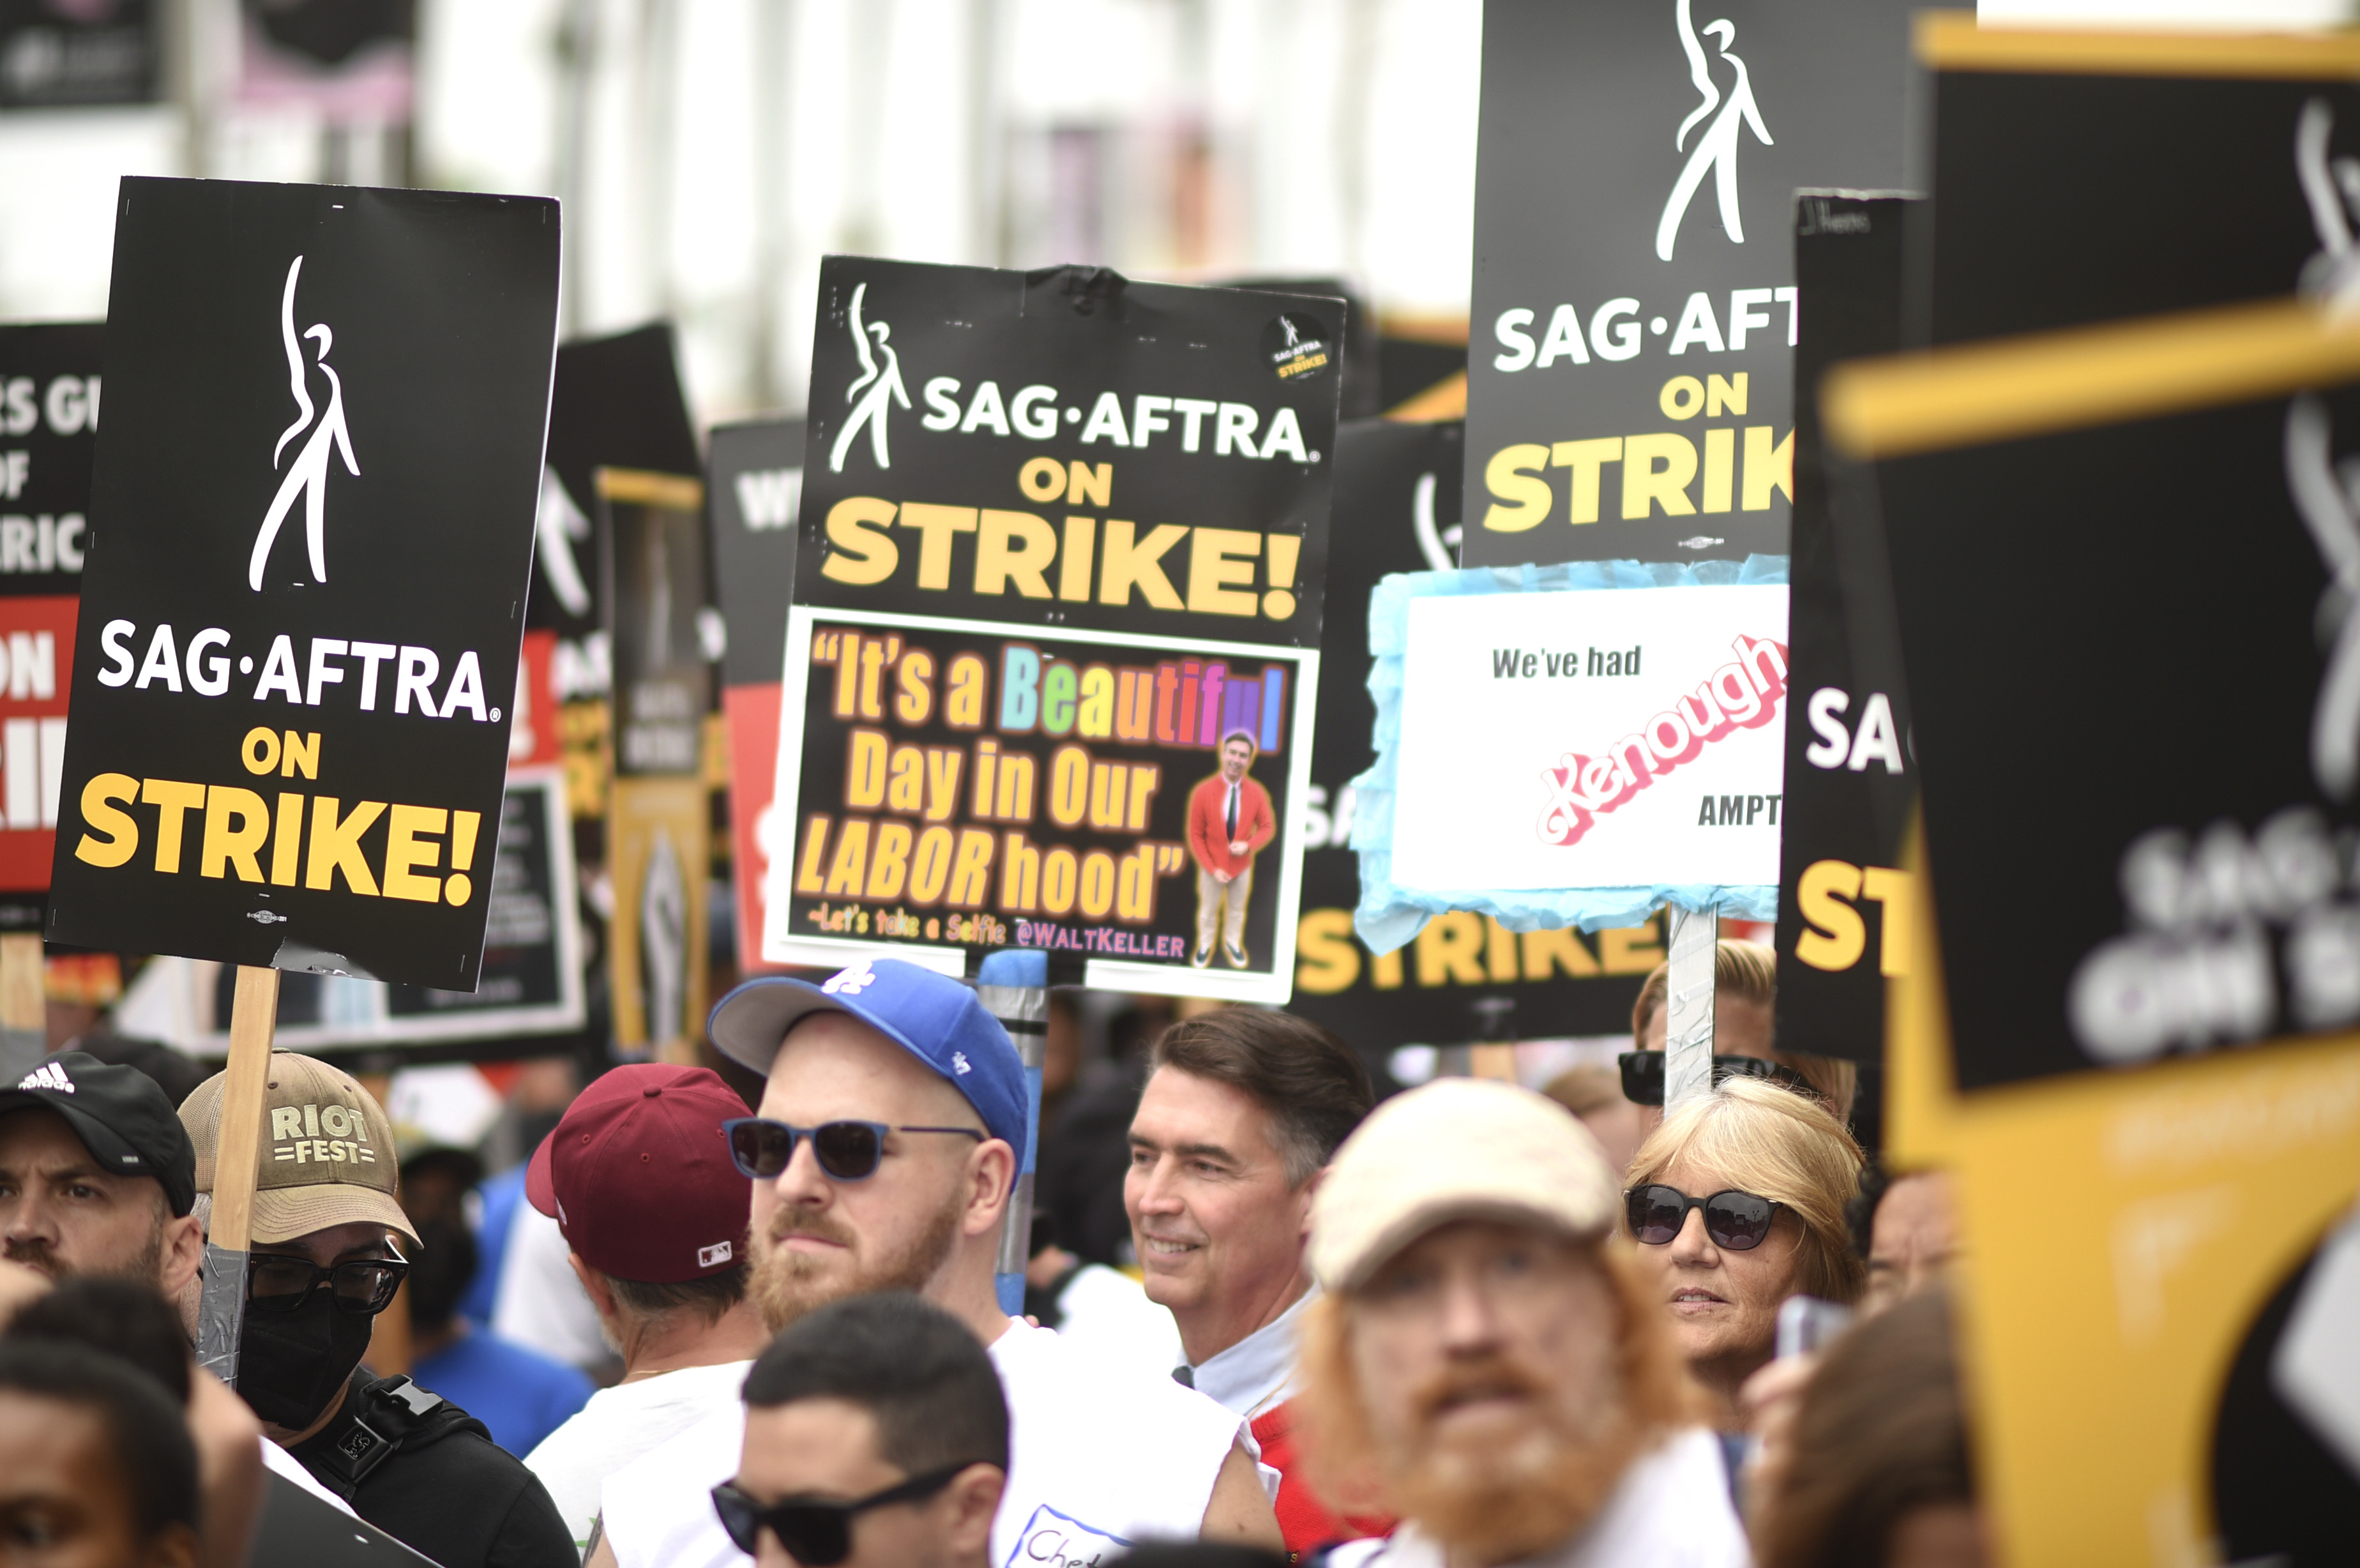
x=882 y=1161
x=326 y=1259
x=875 y=1437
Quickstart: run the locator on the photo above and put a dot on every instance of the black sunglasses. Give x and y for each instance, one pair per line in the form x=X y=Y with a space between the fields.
x=1734 y=1220
x=1643 y=1074
x=364 y=1286
x=848 y=1151
x=816 y=1533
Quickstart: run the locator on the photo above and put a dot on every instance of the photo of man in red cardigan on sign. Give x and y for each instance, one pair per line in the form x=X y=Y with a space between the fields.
x=1230 y=820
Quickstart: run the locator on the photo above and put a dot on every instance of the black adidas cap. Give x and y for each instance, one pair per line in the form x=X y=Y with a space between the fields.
x=121 y=1115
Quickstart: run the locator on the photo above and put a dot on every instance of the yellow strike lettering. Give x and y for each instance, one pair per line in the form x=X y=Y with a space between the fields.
x=173 y=800
x=1522 y=496
x=1644 y=486
x=1130 y=562
x=1074 y=566
x=1891 y=890
x=1835 y=935
x=404 y=849
x=1631 y=949
x=1014 y=546
x=1219 y=558
x=1720 y=466
x=935 y=526
x=863 y=553
x=288 y=847
x=1451 y=949
x=113 y=837
x=1547 y=951
x=1498 y=951
x=237 y=821
x=1766 y=466
x=1588 y=459
x=1326 y=959
x=336 y=846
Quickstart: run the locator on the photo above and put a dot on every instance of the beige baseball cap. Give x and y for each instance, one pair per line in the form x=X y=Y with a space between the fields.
x=328 y=1154
x=1458 y=1148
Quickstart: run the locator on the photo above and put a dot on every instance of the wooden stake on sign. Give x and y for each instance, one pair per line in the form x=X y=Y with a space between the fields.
x=1688 y=1006
x=237 y=1153
x=24 y=1004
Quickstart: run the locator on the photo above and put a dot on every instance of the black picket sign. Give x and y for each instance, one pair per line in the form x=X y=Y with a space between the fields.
x=1063 y=539
x=311 y=526
x=1463 y=979
x=1849 y=782
x=1636 y=307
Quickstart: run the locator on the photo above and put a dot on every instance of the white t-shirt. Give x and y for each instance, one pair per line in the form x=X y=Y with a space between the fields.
x=619 y=1424
x=1098 y=1458
x=1106 y=1312
x=279 y=1461
x=541 y=1303
x=1672 y=1510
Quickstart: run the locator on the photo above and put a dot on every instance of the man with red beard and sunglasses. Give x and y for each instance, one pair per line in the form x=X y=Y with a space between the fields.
x=1487 y=1364
x=882 y=1159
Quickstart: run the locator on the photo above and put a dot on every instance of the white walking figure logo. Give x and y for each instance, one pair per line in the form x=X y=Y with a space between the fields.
x=309 y=474
x=884 y=387
x=1715 y=151
x=2331 y=187
x=2328 y=496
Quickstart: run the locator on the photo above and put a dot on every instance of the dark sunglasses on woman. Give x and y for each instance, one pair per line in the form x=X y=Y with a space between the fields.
x=1643 y=1074
x=1737 y=1221
x=363 y=1286
x=816 y=1533
x=847 y=1151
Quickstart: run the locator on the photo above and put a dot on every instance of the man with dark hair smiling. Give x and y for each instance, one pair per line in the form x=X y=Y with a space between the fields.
x=875 y=1437
x=1242 y=1108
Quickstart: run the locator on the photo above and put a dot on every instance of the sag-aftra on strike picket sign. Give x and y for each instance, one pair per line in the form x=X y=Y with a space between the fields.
x=1051 y=666
x=311 y=527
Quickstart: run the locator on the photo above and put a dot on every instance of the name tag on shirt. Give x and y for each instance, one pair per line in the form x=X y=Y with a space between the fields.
x=1052 y=1540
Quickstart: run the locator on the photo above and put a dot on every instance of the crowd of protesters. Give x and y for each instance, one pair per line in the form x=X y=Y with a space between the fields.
x=1465 y=1325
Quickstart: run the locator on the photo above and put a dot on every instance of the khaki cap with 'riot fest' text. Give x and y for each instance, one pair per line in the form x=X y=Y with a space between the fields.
x=1458 y=1148
x=328 y=1155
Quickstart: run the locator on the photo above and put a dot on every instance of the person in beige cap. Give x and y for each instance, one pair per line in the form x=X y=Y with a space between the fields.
x=326 y=1259
x=1487 y=1365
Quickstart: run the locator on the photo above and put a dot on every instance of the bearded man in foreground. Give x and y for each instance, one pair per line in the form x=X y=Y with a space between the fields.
x=882 y=1158
x=1486 y=1364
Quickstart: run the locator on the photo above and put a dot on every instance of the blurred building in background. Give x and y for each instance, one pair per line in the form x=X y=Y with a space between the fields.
x=709 y=153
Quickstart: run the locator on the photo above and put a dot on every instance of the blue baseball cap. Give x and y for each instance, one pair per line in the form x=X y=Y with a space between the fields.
x=936 y=1018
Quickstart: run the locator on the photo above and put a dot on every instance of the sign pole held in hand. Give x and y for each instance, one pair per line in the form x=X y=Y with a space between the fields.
x=1688 y=1009
x=222 y=1312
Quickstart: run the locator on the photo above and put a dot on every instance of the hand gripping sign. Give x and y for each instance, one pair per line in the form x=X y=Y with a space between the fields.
x=293 y=756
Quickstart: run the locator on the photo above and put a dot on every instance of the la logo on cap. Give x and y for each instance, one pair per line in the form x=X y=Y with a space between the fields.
x=850 y=981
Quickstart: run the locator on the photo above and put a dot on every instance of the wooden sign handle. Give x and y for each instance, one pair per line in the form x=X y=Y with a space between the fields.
x=237 y=1153
x=253 y=1017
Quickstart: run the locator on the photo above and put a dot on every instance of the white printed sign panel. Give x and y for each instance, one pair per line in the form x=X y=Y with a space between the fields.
x=1592 y=739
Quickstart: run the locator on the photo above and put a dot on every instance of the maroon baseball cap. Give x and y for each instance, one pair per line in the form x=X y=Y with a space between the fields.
x=638 y=1178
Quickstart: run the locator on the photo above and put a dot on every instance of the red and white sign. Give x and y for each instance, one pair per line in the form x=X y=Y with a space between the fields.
x=37 y=639
x=753 y=715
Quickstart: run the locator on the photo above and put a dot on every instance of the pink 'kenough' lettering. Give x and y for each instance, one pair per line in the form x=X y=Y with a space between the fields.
x=1742 y=694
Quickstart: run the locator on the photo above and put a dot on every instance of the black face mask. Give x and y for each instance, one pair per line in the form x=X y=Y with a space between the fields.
x=291 y=1365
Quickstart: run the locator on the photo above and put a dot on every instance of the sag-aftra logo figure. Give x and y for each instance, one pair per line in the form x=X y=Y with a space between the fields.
x=1715 y=151
x=308 y=477
x=872 y=394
